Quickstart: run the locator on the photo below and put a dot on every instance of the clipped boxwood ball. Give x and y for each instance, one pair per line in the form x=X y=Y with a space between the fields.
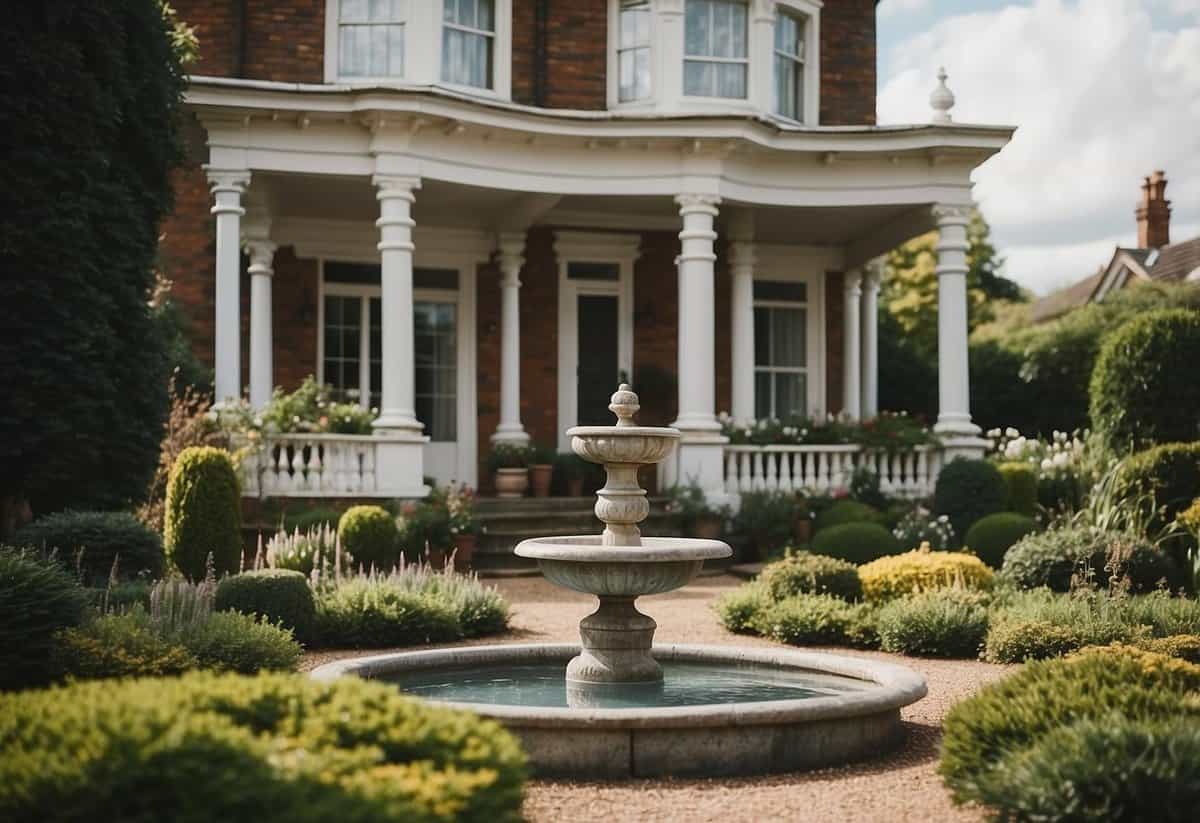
x=370 y=535
x=967 y=490
x=993 y=535
x=204 y=514
x=845 y=511
x=856 y=542
x=1022 y=482
x=807 y=573
x=281 y=596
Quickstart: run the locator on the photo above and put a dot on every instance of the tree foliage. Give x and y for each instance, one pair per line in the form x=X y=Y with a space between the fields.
x=89 y=101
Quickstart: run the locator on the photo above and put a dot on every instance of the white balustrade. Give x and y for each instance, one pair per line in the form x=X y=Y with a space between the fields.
x=314 y=465
x=826 y=469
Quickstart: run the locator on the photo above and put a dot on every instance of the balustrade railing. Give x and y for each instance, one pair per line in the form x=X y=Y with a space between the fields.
x=829 y=468
x=313 y=465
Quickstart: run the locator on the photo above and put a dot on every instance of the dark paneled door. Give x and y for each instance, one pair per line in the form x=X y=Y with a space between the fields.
x=598 y=371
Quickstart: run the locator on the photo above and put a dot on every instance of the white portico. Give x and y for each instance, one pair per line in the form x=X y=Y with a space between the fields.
x=445 y=196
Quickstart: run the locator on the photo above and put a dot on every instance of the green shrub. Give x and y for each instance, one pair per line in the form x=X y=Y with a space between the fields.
x=121 y=596
x=118 y=645
x=1056 y=556
x=807 y=573
x=856 y=542
x=767 y=518
x=1182 y=646
x=314 y=518
x=279 y=596
x=37 y=598
x=739 y=610
x=1021 y=479
x=920 y=571
x=943 y=623
x=1161 y=482
x=203 y=518
x=91 y=541
x=1143 y=389
x=986 y=735
x=479 y=609
x=1061 y=491
x=368 y=612
x=231 y=641
x=369 y=534
x=273 y=748
x=1016 y=641
x=841 y=512
x=991 y=536
x=815 y=619
x=967 y=490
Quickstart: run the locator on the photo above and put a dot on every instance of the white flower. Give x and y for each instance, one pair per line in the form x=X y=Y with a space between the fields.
x=1062 y=459
x=1047 y=464
x=1011 y=432
x=993 y=433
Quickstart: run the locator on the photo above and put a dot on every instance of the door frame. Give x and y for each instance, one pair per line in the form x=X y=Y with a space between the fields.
x=590 y=247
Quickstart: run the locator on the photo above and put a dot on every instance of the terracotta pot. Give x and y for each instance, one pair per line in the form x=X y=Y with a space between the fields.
x=511 y=482
x=802 y=530
x=436 y=558
x=464 y=552
x=707 y=527
x=574 y=487
x=539 y=478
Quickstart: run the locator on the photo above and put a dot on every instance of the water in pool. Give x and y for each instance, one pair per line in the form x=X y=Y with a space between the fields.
x=684 y=684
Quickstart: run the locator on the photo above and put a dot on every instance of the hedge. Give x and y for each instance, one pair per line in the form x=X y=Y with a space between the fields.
x=1055 y=557
x=943 y=623
x=967 y=490
x=1022 y=482
x=992 y=536
x=856 y=542
x=37 y=599
x=204 y=515
x=91 y=541
x=841 y=512
x=1161 y=481
x=266 y=749
x=277 y=595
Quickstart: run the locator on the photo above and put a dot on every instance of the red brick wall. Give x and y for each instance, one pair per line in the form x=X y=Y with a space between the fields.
x=283 y=39
x=217 y=24
x=848 y=63
x=655 y=323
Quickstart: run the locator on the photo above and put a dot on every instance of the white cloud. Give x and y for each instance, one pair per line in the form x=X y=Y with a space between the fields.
x=890 y=8
x=1100 y=99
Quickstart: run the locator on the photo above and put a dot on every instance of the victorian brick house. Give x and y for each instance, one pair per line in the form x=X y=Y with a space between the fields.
x=478 y=214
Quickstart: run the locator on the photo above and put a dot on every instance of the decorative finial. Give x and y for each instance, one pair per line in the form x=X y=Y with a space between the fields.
x=624 y=404
x=942 y=99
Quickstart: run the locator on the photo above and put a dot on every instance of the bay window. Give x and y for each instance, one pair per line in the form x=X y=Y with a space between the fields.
x=789 y=66
x=468 y=42
x=370 y=38
x=716 y=61
x=780 y=349
x=633 y=50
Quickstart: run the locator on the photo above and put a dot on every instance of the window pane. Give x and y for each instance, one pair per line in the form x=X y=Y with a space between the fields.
x=732 y=80
x=697 y=27
x=436 y=377
x=352 y=51
x=722 y=31
x=450 y=10
x=625 y=71
x=698 y=78
x=789 y=394
x=379 y=11
x=579 y=270
x=395 y=37
x=788 y=337
x=762 y=337
x=785 y=87
x=485 y=15
x=353 y=11
x=642 y=73
x=762 y=394
x=379 y=51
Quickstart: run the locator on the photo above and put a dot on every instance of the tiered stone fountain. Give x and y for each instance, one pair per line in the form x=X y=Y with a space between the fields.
x=618 y=706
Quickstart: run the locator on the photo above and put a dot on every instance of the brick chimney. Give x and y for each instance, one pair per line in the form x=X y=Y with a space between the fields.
x=1154 y=213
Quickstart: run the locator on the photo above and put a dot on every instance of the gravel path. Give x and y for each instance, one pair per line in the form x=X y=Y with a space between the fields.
x=901 y=787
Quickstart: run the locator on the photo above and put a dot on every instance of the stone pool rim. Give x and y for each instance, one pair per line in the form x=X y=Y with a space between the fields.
x=895 y=686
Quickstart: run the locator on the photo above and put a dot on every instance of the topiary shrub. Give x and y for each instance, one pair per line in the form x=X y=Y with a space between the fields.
x=991 y=536
x=1143 y=389
x=816 y=619
x=231 y=641
x=739 y=610
x=856 y=542
x=370 y=535
x=944 y=623
x=920 y=571
x=1021 y=479
x=967 y=490
x=1057 y=556
x=277 y=595
x=807 y=573
x=1160 y=482
x=366 y=612
x=204 y=515
x=990 y=738
x=91 y=541
x=841 y=512
x=273 y=748
x=118 y=645
x=37 y=598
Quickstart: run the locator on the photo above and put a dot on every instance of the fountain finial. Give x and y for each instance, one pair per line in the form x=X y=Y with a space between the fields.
x=624 y=404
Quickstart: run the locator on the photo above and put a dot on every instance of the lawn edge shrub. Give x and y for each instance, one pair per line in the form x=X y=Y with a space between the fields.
x=856 y=542
x=370 y=535
x=808 y=573
x=37 y=599
x=279 y=596
x=943 y=623
x=90 y=541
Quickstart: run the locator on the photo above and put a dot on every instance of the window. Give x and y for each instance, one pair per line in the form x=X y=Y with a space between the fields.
x=715 y=55
x=348 y=333
x=371 y=38
x=780 y=350
x=789 y=66
x=633 y=51
x=436 y=340
x=468 y=40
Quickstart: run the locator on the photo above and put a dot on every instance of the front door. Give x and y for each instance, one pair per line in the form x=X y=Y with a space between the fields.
x=598 y=372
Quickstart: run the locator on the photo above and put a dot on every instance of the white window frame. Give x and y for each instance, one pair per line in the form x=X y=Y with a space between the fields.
x=590 y=247
x=791 y=305
x=423 y=51
x=614 y=59
x=746 y=61
x=809 y=12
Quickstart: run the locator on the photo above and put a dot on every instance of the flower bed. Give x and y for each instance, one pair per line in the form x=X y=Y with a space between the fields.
x=889 y=431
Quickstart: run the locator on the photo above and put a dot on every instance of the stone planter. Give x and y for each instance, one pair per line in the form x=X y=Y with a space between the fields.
x=539 y=478
x=511 y=483
x=707 y=527
x=464 y=552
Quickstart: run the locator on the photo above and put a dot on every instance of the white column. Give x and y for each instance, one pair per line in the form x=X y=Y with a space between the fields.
x=227 y=187
x=870 y=339
x=262 y=380
x=954 y=406
x=741 y=306
x=851 y=340
x=511 y=259
x=395 y=196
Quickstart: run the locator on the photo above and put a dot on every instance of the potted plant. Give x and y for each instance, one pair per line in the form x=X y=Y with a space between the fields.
x=541 y=469
x=463 y=524
x=690 y=506
x=509 y=464
x=573 y=469
x=425 y=529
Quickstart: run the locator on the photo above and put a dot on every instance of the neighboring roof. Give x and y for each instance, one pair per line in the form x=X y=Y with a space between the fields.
x=1072 y=297
x=1176 y=261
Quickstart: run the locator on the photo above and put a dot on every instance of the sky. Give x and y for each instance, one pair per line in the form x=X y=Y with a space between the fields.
x=1103 y=92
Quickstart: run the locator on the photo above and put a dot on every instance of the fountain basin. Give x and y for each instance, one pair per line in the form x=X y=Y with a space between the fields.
x=584 y=564
x=720 y=711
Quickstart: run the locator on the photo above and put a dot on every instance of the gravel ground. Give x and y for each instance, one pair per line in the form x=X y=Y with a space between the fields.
x=903 y=786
